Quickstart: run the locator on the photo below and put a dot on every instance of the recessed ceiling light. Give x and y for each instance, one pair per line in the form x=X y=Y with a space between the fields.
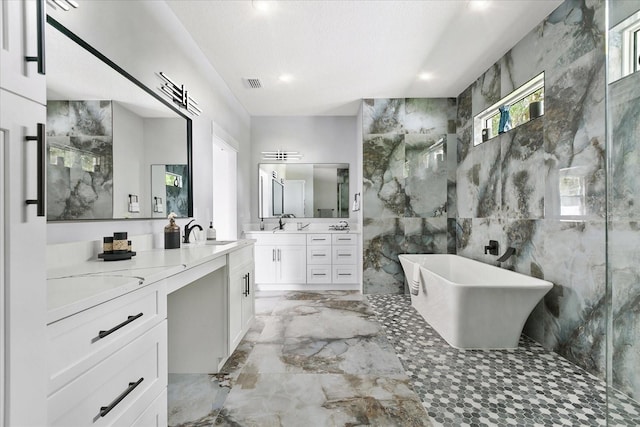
x=285 y=78
x=479 y=4
x=425 y=76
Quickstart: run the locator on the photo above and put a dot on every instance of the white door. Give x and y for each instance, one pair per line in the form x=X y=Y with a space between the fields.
x=294 y=197
x=24 y=271
x=292 y=264
x=225 y=193
x=19 y=39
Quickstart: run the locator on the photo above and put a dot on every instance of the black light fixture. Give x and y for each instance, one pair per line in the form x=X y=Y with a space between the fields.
x=178 y=94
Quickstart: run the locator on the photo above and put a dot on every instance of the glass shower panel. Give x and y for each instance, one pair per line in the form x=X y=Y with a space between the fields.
x=623 y=215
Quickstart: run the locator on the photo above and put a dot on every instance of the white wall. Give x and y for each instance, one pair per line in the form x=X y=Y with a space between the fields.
x=144 y=37
x=320 y=139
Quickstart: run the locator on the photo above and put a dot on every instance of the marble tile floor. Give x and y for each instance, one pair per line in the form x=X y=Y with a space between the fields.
x=310 y=359
x=341 y=359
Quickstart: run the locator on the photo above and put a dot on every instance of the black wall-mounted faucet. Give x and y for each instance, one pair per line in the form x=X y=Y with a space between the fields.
x=510 y=251
x=492 y=248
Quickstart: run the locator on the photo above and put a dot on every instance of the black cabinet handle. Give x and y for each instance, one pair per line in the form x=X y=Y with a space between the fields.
x=42 y=170
x=104 y=410
x=245 y=280
x=130 y=319
x=40 y=29
x=248 y=284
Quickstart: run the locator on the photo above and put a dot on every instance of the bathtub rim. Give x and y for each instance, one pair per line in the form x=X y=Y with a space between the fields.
x=538 y=283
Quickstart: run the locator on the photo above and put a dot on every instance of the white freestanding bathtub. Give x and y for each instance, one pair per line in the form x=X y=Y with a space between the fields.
x=472 y=305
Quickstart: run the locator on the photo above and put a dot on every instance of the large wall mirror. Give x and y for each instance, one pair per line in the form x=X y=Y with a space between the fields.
x=303 y=190
x=116 y=149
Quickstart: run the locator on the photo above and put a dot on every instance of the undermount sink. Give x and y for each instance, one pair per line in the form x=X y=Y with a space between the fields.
x=220 y=242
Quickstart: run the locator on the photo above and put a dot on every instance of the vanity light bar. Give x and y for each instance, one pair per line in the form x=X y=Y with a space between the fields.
x=62 y=4
x=179 y=95
x=281 y=155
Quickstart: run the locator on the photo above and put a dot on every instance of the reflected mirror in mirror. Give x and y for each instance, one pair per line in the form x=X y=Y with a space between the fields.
x=105 y=131
x=169 y=190
x=304 y=190
x=624 y=48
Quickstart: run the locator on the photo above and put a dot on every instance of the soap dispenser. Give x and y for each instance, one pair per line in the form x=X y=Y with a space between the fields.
x=172 y=233
x=211 y=232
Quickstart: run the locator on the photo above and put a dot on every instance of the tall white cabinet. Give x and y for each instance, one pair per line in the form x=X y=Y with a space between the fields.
x=22 y=107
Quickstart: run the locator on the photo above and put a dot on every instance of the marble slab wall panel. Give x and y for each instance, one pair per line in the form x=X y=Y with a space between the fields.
x=406 y=182
x=522 y=184
x=383 y=180
x=383 y=240
x=426 y=175
x=624 y=111
x=624 y=231
x=509 y=188
x=624 y=252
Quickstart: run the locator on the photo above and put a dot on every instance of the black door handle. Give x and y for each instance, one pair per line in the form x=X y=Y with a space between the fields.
x=42 y=170
x=40 y=30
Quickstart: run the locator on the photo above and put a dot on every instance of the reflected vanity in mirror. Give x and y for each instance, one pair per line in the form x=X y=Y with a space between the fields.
x=107 y=134
x=304 y=190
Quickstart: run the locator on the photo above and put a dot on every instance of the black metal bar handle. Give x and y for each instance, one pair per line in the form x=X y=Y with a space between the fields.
x=248 y=284
x=42 y=170
x=40 y=29
x=104 y=410
x=130 y=319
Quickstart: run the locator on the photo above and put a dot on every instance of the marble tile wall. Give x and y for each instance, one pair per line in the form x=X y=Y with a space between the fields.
x=408 y=177
x=540 y=187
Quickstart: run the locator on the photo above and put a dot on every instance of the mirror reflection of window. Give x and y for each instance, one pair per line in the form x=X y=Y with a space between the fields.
x=572 y=189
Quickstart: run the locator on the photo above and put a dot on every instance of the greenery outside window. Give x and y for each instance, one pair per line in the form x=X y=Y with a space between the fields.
x=519 y=101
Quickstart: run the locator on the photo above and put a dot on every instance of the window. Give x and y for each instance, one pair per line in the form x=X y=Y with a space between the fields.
x=624 y=48
x=518 y=101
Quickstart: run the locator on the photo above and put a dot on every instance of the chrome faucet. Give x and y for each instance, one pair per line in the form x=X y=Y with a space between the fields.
x=188 y=229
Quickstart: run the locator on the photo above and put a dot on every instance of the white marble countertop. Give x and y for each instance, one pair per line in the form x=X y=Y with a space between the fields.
x=74 y=288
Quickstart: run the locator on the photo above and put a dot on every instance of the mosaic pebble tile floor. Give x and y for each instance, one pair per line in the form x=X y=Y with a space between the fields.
x=527 y=386
x=341 y=359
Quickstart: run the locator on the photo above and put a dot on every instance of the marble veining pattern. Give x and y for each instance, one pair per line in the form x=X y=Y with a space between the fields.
x=313 y=359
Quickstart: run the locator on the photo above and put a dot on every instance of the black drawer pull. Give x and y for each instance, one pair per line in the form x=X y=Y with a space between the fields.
x=41 y=34
x=344 y=254
x=344 y=274
x=319 y=274
x=319 y=255
x=130 y=319
x=104 y=410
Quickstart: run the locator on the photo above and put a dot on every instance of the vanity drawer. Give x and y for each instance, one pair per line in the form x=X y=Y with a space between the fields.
x=155 y=415
x=318 y=239
x=319 y=274
x=74 y=344
x=318 y=254
x=345 y=239
x=344 y=255
x=278 y=238
x=345 y=274
x=127 y=382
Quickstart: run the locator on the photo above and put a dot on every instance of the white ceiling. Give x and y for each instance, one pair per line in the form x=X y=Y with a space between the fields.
x=337 y=52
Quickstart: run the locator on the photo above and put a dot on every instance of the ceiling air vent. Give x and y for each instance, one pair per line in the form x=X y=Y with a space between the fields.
x=253 y=83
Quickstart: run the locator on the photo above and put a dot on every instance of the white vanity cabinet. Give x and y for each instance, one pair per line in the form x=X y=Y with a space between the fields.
x=108 y=364
x=280 y=258
x=23 y=374
x=306 y=260
x=241 y=295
